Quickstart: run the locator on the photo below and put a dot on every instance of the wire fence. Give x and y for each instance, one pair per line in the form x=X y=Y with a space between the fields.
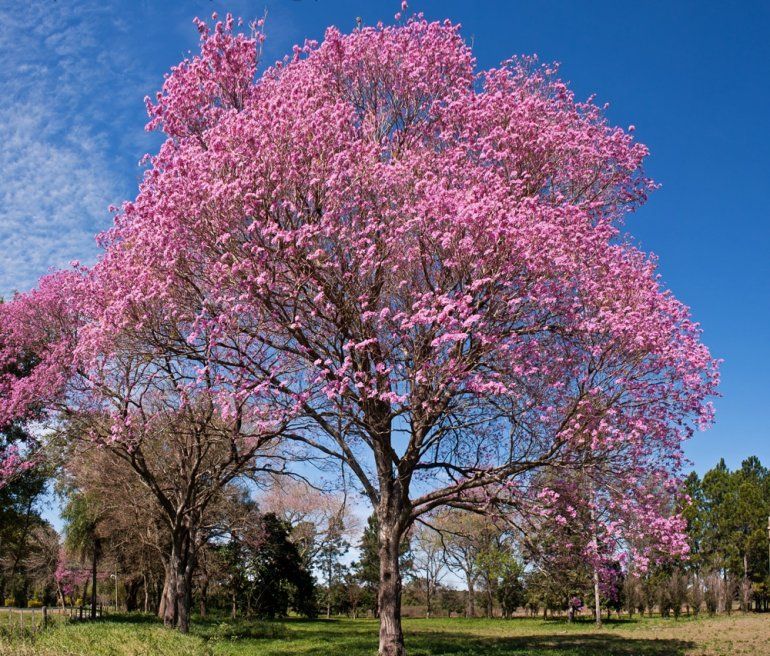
x=25 y=622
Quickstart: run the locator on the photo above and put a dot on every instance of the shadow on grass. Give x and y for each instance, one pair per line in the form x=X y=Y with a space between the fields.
x=221 y=628
x=574 y=644
x=323 y=637
x=345 y=638
x=130 y=618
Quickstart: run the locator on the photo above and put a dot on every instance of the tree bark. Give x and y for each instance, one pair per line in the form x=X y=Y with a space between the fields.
x=470 y=604
x=597 y=603
x=146 y=593
x=389 y=593
x=177 y=589
x=164 y=595
x=184 y=595
x=204 y=596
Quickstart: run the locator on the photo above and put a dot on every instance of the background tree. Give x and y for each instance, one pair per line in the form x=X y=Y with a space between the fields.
x=315 y=515
x=266 y=571
x=428 y=567
x=468 y=538
x=332 y=550
x=83 y=530
x=21 y=530
x=510 y=588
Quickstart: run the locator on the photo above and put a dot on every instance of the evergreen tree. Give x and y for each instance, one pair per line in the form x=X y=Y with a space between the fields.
x=334 y=547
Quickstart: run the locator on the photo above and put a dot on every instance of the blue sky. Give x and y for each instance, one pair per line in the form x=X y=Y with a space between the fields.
x=693 y=77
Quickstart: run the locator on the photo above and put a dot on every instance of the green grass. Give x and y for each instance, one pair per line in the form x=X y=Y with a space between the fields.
x=144 y=636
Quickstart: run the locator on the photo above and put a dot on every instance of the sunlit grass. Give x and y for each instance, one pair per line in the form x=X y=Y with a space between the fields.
x=144 y=636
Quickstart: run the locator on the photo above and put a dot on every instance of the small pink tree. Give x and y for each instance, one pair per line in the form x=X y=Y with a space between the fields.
x=606 y=523
x=69 y=576
x=416 y=266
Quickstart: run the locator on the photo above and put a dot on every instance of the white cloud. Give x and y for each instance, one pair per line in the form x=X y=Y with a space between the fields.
x=53 y=197
x=56 y=179
x=71 y=116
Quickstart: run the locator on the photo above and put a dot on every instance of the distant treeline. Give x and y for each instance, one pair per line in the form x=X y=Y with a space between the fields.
x=292 y=551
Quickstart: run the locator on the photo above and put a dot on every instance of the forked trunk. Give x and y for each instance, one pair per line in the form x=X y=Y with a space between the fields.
x=177 y=589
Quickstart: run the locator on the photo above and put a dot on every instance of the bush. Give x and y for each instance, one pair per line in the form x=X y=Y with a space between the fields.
x=9 y=601
x=35 y=603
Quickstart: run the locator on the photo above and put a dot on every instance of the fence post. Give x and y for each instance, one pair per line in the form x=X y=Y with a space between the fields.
x=45 y=616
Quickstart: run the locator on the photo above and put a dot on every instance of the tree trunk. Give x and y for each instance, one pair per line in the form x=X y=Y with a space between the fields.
x=470 y=603
x=132 y=593
x=184 y=595
x=597 y=604
x=146 y=593
x=389 y=593
x=164 y=595
x=94 y=560
x=204 y=595
x=177 y=589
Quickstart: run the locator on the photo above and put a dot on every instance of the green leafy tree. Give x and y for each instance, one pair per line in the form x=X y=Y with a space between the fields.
x=82 y=518
x=20 y=496
x=728 y=520
x=266 y=572
x=332 y=550
x=510 y=588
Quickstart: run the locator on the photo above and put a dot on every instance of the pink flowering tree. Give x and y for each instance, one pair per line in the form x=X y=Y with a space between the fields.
x=69 y=576
x=593 y=523
x=182 y=427
x=414 y=267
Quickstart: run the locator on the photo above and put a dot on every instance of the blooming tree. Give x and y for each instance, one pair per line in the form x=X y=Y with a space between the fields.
x=175 y=422
x=401 y=263
x=589 y=524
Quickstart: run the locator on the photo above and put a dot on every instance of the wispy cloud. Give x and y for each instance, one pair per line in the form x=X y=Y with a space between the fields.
x=57 y=176
x=71 y=116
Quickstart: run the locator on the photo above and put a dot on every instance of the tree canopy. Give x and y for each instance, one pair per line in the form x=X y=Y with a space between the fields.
x=378 y=254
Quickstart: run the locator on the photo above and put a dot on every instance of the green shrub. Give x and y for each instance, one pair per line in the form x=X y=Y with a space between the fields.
x=35 y=603
x=9 y=601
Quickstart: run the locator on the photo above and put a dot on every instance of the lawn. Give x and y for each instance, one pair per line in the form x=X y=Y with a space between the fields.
x=138 y=636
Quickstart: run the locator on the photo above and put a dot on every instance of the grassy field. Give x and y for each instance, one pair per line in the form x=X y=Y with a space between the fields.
x=137 y=636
